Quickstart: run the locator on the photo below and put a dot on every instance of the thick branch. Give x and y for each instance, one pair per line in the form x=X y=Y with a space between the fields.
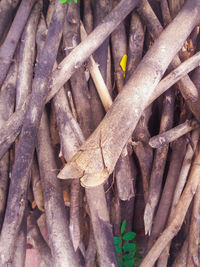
x=173 y=134
x=93 y=164
x=19 y=182
x=178 y=217
x=8 y=47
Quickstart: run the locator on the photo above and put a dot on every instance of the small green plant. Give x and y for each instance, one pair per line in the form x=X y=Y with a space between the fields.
x=68 y=1
x=126 y=248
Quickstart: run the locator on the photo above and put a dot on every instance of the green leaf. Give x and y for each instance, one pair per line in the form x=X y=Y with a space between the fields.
x=129 y=263
x=75 y=1
x=118 y=249
x=117 y=240
x=129 y=256
x=123 y=226
x=129 y=246
x=120 y=262
x=129 y=236
x=64 y=1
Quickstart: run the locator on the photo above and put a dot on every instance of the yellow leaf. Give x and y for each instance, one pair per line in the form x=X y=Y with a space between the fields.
x=123 y=62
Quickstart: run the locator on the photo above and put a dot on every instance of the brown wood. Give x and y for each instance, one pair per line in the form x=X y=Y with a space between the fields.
x=159 y=163
x=7 y=102
x=19 y=182
x=178 y=217
x=88 y=161
x=174 y=133
x=186 y=86
x=58 y=230
x=7 y=9
x=9 y=45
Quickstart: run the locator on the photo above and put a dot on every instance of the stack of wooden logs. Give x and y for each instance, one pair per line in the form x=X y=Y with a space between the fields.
x=88 y=140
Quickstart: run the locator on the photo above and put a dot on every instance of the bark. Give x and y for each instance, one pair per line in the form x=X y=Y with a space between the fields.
x=88 y=16
x=71 y=139
x=90 y=254
x=68 y=66
x=97 y=77
x=27 y=57
x=178 y=151
x=175 y=75
x=26 y=146
x=101 y=227
x=174 y=133
x=9 y=45
x=135 y=46
x=124 y=172
x=165 y=12
x=100 y=10
x=175 y=6
x=58 y=229
x=142 y=150
x=125 y=176
x=20 y=249
x=185 y=85
x=159 y=162
x=7 y=10
x=141 y=134
x=79 y=86
x=7 y=102
x=11 y=130
x=178 y=217
x=13 y=126
x=66 y=129
x=88 y=163
x=67 y=126
x=119 y=49
x=179 y=188
x=194 y=233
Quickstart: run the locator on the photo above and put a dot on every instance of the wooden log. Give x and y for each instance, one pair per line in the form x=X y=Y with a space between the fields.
x=119 y=49
x=159 y=163
x=13 y=126
x=19 y=182
x=194 y=233
x=58 y=229
x=78 y=82
x=9 y=45
x=174 y=133
x=160 y=219
x=186 y=166
x=7 y=102
x=7 y=9
x=186 y=86
x=93 y=160
x=68 y=66
x=27 y=57
x=178 y=217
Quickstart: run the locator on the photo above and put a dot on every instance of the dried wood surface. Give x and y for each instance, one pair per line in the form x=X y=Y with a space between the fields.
x=89 y=140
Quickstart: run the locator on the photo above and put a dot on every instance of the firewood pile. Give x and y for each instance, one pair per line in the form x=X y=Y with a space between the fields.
x=99 y=124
